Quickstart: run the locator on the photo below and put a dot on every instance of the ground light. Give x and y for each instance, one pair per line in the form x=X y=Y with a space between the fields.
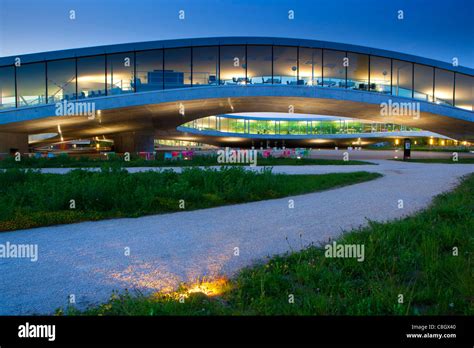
x=210 y=287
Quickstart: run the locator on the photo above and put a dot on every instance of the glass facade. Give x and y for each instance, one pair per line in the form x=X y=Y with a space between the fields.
x=61 y=80
x=402 y=78
x=380 y=74
x=205 y=66
x=233 y=65
x=149 y=70
x=464 y=92
x=177 y=72
x=334 y=71
x=357 y=71
x=156 y=69
x=259 y=65
x=120 y=73
x=7 y=87
x=285 y=65
x=290 y=127
x=423 y=82
x=91 y=77
x=31 y=86
x=444 y=87
x=310 y=66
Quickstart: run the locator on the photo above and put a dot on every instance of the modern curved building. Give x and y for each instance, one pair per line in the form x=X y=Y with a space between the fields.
x=263 y=130
x=134 y=93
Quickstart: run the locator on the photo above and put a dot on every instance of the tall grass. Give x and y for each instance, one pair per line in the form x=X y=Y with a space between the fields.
x=414 y=257
x=29 y=198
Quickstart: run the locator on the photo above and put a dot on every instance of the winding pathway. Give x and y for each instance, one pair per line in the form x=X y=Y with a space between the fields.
x=88 y=259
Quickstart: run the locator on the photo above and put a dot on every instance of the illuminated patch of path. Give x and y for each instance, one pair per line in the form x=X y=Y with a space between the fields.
x=88 y=259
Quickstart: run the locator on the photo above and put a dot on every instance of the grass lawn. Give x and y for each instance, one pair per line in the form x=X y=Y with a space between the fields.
x=31 y=199
x=413 y=257
x=64 y=161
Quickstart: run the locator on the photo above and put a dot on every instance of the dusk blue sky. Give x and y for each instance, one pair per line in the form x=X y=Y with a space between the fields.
x=437 y=29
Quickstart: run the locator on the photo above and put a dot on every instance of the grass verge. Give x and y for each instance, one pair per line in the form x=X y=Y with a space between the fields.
x=32 y=199
x=413 y=257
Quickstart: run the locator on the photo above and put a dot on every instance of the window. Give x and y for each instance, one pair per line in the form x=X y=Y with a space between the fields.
x=310 y=66
x=444 y=87
x=464 y=93
x=334 y=72
x=357 y=71
x=149 y=70
x=284 y=130
x=91 y=77
x=177 y=72
x=61 y=80
x=380 y=74
x=232 y=65
x=285 y=65
x=402 y=78
x=236 y=125
x=31 y=84
x=7 y=87
x=205 y=66
x=423 y=88
x=120 y=73
x=259 y=60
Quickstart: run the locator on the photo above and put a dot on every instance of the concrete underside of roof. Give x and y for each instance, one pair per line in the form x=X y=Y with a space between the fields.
x=157 y=114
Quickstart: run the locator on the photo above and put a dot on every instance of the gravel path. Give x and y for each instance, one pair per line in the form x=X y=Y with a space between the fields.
x=88 y=259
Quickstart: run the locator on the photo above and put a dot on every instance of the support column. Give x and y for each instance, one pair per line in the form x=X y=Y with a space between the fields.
x=13 y=142
x=133 y=142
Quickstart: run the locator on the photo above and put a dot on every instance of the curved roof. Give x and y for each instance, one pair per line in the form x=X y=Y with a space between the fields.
x=138 y=46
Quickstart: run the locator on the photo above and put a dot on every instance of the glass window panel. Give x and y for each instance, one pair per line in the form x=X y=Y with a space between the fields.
x=284 y=128
x=120 y=73
x=259 y=61
x=232 y=69
x=334 y=71
x=423 y=82
x=7 y=87
x=310 y=66
x=337 y=127
x=31 y=84
x=380 y=74
x=91 y=77
x=285 y=65
x=252 y=126
x=212 y=122
x=325 y=127
x=358 y=71
x=316 y=127
x=205 y=66
x=444 y=86
x=402 y=78
x=224 y=124
x=464 y=92
x=149 y=68
x=177 y=67
x=61 y=80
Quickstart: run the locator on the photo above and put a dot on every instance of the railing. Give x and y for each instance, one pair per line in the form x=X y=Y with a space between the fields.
x=253 y=75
